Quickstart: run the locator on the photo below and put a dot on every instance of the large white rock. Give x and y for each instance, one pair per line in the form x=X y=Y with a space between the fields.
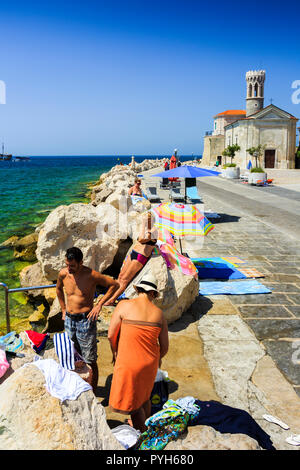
x=32 y=419
x=207 y=438
x=177 y=291
x=92 y=229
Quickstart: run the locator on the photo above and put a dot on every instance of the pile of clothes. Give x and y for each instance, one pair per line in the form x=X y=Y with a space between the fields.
x=174 y=418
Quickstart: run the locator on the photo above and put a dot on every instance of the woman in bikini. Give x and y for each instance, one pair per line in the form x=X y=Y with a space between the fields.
x=136 y=189
x=138 y=256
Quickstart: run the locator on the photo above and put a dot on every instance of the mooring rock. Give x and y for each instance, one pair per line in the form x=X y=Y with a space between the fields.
x=32 y=419
x=92 y=229
x=177 y=291
x=25 y=247
x=33 y=276
x=206 y=438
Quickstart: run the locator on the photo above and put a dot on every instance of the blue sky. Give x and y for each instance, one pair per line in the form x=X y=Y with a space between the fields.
x=137 y=77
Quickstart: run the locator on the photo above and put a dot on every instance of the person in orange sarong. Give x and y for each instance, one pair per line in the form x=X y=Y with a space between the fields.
x=138 y=336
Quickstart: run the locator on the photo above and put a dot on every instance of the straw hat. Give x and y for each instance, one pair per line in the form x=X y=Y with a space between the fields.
x=148 y=283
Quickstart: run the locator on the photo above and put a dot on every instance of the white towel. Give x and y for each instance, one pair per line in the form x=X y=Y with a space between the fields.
x=61 y=383
x=64 y=348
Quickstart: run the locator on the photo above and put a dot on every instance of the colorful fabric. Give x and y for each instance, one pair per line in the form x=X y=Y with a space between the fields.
x=37 y=340
x=11 y=342
x=4 y=365
x=232 y=288
x=136 y=365
x=181 y=219
x=251 y=272
x=163 y=427
x=229 y=267
x=216 y=268
x=173 y=259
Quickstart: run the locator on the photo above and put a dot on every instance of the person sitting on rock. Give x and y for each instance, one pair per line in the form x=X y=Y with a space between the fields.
x=79 y=283
x=138 y=336
x=136 y=189
x=138 y=257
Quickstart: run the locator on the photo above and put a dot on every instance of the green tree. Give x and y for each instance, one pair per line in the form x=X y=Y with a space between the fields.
x=230 y=151
x=256 y=152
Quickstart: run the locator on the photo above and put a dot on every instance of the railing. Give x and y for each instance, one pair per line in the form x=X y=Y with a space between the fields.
x=18 y=289
x=208 y=132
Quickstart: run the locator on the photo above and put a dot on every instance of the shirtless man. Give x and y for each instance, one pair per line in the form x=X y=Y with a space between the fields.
x=79 y=283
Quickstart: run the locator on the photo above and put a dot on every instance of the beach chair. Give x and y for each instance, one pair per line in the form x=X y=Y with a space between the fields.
x=164 y=184
x=152 y=194
x=177 y=195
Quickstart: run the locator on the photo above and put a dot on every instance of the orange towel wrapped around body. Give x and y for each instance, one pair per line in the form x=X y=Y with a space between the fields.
x=136 y=365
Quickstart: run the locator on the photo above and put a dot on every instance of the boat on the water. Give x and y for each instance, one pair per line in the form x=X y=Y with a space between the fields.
x=5 y=156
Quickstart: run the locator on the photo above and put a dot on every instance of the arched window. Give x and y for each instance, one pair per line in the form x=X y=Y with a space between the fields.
x=256 y=90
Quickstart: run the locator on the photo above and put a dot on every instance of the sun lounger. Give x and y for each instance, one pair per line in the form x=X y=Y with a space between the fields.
x=152 y=194
x=177 y=195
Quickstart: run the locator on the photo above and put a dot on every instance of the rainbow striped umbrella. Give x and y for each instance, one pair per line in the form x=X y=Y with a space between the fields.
x=181 y=220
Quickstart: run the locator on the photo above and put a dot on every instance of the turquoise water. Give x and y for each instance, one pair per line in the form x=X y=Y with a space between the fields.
x=29 y=191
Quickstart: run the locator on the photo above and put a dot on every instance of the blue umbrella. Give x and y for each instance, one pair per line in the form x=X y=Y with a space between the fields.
x=187 y=171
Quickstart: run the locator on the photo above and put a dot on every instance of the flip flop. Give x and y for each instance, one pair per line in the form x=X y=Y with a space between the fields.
x=274 y=420
x=293 y=440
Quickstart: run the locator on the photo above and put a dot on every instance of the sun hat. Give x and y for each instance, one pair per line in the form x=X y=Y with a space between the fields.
x=148 y=283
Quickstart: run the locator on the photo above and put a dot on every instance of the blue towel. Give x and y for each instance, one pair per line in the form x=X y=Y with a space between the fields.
x=232 y=288
x=216 y=268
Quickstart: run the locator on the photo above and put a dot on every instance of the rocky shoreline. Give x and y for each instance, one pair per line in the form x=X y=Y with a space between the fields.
x=89 y=226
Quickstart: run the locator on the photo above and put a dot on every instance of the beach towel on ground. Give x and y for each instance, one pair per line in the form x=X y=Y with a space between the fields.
x=226 y=419
x=230 y=267
x=61 y=383
x=232 y=288
x=216 y=268
x=37 y=340
x=64 y=348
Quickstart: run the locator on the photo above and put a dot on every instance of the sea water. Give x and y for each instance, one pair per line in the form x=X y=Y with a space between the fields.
x=29 y=190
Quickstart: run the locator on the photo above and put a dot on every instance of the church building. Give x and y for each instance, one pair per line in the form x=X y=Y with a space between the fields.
x=271 y=127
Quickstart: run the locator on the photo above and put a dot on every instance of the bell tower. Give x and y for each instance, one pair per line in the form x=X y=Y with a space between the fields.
x=255 y=91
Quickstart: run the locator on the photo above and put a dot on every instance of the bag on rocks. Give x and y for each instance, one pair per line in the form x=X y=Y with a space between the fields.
x=160 y=392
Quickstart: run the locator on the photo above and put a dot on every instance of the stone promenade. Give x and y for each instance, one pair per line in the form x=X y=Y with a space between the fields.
x=252 y=342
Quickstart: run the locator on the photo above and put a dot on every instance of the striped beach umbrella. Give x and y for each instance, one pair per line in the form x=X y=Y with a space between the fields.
x=181 y=220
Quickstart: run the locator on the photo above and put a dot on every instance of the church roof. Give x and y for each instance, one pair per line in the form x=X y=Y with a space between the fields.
x=232 y=112
x=254 y=115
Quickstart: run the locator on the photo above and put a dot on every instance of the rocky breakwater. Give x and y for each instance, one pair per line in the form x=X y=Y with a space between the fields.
x=104 y=230
x=32 y=419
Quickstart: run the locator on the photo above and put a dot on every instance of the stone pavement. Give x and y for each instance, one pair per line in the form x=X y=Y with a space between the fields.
x=274 y=318
x=252 y=342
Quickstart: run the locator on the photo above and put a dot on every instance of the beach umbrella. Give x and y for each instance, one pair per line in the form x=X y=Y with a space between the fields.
x=181 y=220
x=187 y=171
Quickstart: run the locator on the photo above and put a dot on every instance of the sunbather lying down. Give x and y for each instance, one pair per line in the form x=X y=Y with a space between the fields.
x=138 y=257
